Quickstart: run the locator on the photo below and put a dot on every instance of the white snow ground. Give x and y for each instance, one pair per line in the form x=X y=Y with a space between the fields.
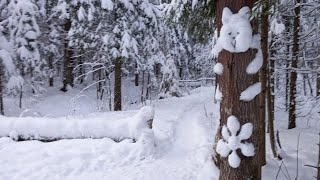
x=184 y=132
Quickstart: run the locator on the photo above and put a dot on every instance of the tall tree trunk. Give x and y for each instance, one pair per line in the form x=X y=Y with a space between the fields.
x=1 y=88
x=264 y=74
x=287 y=87
x=117 y=84
x=270 y=94
x=68 y=59
x=233 y=82
x=81 y=67
x=136 y=75
x=148 y=86
x=142 y=87
x=294 y=65
x=51 y=70
x=318 y=79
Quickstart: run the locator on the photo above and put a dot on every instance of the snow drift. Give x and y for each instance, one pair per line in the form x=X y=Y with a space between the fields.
x=50 y=129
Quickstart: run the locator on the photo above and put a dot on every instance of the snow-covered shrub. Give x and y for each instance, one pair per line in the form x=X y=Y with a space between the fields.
x=169 y=85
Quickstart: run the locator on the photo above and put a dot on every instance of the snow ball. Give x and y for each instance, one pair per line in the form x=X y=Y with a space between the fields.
x=251 y=92
x=234 y=160
x=222 y=148
x=218 y=69
x=233 y=124
x=247 y=149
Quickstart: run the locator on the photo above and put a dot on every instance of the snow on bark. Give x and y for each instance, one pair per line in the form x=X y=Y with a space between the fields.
x=235 y=33
x=255 y=64
x=218 y=94
x=251 y=92
x=231 y=142
x=107 y=4
x=218 y=69
x=49 y=129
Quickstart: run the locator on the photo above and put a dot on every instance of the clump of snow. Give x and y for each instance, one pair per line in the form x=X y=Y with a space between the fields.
x=218 y=94
x=255 y=64
x=107 y=4
x=218 y=69
x=276 y=26
x=143 y=121
x=236 y=31
x=256 y=42
x=232 y=142
x=251 y=92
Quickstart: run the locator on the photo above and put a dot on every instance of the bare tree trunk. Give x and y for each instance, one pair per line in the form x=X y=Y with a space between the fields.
x=148 y=87
x=264 y=74
x=304 y=84
x=294 y=65
x=1 y=88
x=233 y=82
x=68 y=60
x=136 y=75
x=81 y=67
x=117 y=85
x=51 y=70
x=270 y=94
x=142 y=87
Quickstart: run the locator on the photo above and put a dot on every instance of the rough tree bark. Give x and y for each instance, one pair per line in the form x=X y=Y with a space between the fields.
x=232 y=82
x=294 y=65
x=117 y=84
x=264 y=73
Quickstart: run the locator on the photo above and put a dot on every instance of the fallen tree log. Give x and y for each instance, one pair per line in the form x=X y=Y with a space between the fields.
x=53 y=129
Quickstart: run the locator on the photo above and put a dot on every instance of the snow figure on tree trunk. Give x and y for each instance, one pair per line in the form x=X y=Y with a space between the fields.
x=169 y=85
x=236 y=37
x=236 y=32
x=231 y=143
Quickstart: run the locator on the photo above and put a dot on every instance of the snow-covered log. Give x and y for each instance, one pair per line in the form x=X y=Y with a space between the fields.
x=52 y=129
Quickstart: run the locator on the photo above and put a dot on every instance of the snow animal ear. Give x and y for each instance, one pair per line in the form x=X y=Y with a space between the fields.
x=226 y=15
x=245 y=12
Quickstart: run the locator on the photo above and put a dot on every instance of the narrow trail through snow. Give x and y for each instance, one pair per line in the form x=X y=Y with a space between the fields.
x=183 y=139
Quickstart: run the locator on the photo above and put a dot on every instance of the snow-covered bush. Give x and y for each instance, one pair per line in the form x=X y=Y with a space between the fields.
x=169 y=85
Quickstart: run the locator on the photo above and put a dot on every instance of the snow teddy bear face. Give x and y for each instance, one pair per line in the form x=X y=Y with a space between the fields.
x=236 y=31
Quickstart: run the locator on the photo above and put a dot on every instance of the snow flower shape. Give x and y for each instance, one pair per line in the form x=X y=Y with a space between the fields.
x=230 y=143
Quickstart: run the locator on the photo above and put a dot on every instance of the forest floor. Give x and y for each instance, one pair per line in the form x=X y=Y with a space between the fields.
x=184 y=134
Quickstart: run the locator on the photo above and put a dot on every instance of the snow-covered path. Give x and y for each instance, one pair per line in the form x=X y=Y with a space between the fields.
x=183 y=136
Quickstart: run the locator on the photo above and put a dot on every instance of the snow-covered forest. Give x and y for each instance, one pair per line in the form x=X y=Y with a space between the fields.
x=160 y=89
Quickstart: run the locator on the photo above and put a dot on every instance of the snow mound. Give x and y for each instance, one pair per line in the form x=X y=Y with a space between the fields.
x=48 y=129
